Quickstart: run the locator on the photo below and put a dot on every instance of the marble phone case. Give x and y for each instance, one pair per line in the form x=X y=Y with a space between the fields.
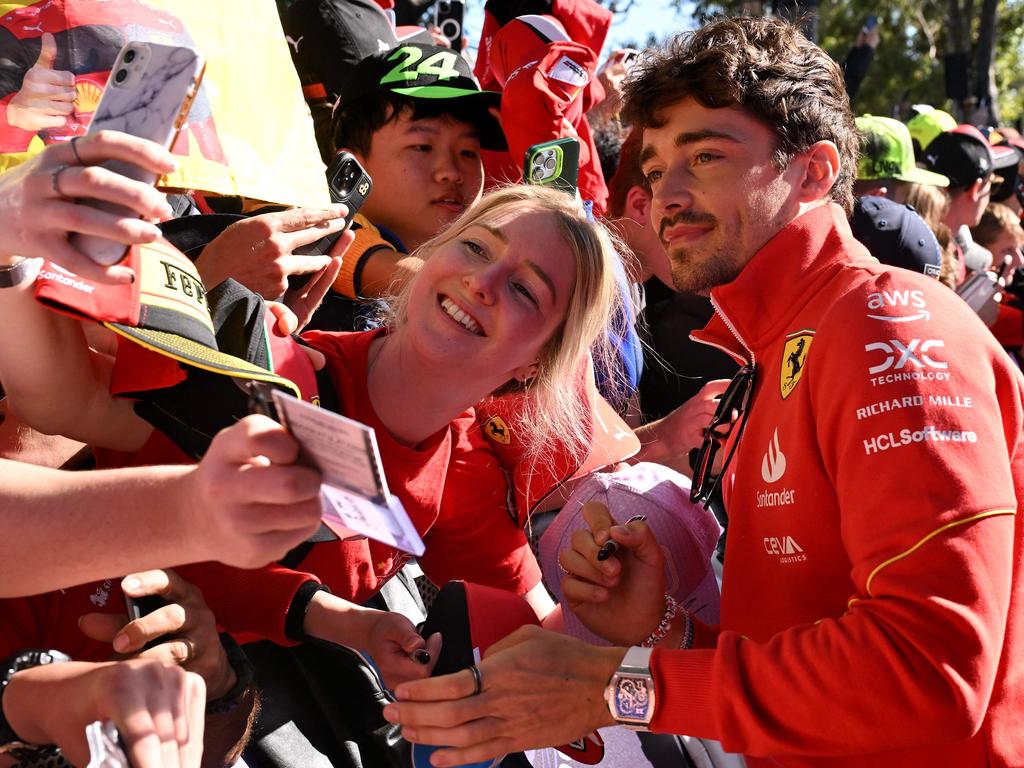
x=152 y=102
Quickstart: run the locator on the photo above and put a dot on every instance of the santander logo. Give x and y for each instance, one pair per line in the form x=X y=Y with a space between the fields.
x=773 y=464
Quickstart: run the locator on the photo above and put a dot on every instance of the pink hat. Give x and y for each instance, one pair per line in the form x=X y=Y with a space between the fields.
x=687 y=532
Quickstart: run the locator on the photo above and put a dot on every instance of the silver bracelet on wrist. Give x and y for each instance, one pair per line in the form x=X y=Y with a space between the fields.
x=660 y=631
x=688 y=627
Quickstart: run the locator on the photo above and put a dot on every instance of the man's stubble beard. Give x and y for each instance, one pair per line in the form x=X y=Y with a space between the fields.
x=690 y=275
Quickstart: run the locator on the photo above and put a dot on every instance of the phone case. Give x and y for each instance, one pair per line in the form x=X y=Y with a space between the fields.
x=349 y=184
x=448 y=18
x=554 y=162
x=151 y=101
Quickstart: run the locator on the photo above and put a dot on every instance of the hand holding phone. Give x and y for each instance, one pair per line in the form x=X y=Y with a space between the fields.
x=448 y=18
x=350 y=185
x=554 y=162
x=148 y=94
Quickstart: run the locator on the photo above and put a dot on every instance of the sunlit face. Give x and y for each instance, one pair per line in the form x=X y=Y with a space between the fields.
x=425 y=174
x=490 y=299
x=1006 y=251
x=717 y=196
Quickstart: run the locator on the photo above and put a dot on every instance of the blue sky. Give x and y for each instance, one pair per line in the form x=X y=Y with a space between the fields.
x=646 y=16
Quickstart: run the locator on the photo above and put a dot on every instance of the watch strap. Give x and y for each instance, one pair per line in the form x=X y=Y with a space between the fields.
x=16 y=662
x=20 y=272
x=637 y=660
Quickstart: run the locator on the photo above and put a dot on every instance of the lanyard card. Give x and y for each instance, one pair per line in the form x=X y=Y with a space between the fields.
x=354 y=493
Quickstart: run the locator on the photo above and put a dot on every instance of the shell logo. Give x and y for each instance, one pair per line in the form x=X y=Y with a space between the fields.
x=87 y=97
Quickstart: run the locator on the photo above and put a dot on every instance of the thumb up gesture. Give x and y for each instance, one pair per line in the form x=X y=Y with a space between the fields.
x=47 y=95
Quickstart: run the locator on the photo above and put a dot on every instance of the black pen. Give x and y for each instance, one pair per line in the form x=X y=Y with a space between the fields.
x=611 y=546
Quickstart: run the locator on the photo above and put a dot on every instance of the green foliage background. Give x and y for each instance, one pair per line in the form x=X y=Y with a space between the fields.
x=908 y=63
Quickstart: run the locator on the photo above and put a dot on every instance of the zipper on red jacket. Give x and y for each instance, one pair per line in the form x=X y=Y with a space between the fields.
x=734 y=332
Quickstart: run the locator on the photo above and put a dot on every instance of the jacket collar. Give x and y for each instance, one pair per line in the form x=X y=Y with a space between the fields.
x=755 y=308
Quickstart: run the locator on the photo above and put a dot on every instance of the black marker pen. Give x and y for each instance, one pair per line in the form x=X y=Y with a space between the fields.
x=611 y=546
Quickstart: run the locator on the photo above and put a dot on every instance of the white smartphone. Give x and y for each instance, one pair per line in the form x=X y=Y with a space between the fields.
x=148 y=94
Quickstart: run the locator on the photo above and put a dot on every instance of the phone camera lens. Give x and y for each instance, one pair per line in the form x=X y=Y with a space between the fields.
x=129 y=56
x=121 y=76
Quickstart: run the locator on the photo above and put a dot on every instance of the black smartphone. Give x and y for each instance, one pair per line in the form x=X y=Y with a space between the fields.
x=142 y=606
x=554 y=162
x=349 y=184
x=871 y=23
x=448 y=18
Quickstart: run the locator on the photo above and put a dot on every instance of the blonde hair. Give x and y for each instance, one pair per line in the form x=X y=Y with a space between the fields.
x=932 y=205
x=552 y=409
x=996 y=220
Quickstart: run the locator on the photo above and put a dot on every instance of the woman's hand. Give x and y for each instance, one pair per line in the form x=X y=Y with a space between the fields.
x=41 y=201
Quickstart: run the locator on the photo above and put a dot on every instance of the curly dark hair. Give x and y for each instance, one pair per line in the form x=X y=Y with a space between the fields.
x=768 y=68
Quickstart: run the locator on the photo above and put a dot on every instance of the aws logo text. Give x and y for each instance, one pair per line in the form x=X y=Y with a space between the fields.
x=897 y=300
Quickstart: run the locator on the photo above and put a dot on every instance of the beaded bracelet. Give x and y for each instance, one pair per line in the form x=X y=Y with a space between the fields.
x=688 y=627
x=671 y=608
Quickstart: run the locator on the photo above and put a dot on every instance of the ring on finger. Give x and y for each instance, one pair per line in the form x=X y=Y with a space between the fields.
x=478 y=680
x=55 y=178
x=74 y=149
x=190 y=650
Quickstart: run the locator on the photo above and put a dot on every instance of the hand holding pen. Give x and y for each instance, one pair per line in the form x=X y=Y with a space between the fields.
x=620 y=598
x=611 y=546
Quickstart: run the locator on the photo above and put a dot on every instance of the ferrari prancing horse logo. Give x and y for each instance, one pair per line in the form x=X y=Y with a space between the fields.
x=497 y=430
x=794 y=358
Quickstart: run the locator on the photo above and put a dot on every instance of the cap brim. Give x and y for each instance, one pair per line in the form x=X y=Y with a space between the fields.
x=200 y=356
x=922 y=176
x=1004 y=156
x=613 y=440
x=475 y=104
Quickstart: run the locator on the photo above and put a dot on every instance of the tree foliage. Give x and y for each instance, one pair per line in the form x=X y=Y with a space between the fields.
x=916 y=36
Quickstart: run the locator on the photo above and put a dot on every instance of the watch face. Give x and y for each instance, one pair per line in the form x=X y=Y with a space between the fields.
x=633 y=699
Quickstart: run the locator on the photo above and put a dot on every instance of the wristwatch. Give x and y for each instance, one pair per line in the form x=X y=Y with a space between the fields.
x=630 y=692
x=21 y=271
x=10 y=666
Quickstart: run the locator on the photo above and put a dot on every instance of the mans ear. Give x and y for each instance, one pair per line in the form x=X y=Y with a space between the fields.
x=975 y=189
x=638 y=205
x=820 y=171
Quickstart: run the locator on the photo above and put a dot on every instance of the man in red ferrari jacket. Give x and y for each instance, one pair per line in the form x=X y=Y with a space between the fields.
x=872 y=608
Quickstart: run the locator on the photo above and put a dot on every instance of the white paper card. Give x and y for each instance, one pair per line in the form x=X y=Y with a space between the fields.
x=354 y=494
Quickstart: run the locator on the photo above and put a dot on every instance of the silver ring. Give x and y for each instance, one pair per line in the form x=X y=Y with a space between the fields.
x=55 y=178
x=561 y=568
x=190 y=650
x=478 y=681
x=78 y=157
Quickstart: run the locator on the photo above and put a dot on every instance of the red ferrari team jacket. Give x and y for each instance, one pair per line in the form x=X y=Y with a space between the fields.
x=872 y=606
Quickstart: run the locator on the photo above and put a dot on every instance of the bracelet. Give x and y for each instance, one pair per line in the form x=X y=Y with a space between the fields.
x=671 y=608
x=244 y=674
x=688 y=627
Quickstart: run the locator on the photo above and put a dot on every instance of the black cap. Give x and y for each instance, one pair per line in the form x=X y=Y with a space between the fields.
x=962 y=158
x=327 y=38
x=429 y=72
x=896 y=235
